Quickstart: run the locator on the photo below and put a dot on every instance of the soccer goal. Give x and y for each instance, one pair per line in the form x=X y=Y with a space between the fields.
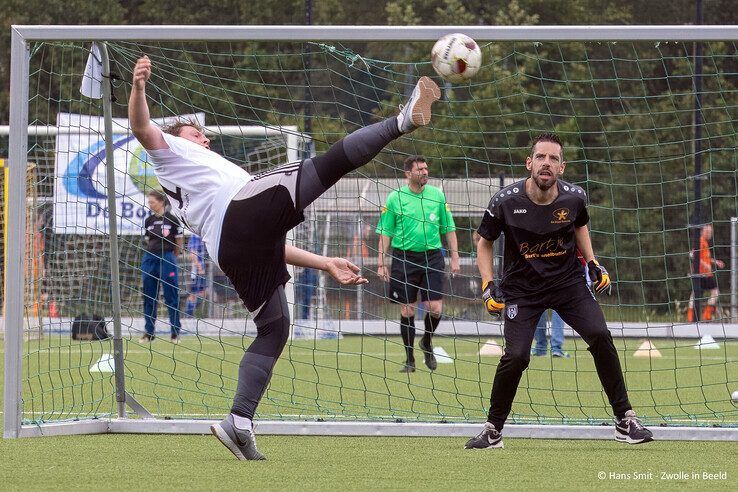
x=648 y=117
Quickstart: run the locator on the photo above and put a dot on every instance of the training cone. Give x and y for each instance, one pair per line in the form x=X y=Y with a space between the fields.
x=442 y=356
x=490 y=348
x=707 y=342
x=105 y=364
x=647 y=349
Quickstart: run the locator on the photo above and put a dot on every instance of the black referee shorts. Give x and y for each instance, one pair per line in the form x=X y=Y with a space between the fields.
x=414 y=272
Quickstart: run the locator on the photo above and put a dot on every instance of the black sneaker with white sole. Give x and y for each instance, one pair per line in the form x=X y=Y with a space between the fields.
x=240 y=442
x=489 y=438
x=631 y=431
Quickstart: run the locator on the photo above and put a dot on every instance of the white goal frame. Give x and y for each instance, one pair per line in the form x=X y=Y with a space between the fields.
x=22 y=36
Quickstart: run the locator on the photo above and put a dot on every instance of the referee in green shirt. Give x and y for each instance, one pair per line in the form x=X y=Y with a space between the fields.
x=412 y=221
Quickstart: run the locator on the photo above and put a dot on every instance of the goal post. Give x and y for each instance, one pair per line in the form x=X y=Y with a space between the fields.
x=600 y=87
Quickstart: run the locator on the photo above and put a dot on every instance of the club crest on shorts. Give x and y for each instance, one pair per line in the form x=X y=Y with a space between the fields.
x=512 y=311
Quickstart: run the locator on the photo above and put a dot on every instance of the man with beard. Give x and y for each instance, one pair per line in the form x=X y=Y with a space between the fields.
x=545 y=221
x=413 y=220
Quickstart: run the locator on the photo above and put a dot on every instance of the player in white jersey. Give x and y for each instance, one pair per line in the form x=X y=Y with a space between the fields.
x=244 y=220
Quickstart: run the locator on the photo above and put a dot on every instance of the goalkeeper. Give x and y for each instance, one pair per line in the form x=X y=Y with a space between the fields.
x=244 y=220
x=545 y=221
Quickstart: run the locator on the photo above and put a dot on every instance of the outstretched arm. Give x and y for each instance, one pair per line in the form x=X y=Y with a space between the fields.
x=342 y=270
x=138 y=109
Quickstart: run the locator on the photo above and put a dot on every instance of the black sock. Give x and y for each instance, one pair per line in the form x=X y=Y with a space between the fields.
x=407 y=330
x=431 y=323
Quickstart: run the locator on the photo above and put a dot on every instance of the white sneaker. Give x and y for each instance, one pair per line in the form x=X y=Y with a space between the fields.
x=417 y=111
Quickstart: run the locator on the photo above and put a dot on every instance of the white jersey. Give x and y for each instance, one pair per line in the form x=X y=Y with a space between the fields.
x=200 y=185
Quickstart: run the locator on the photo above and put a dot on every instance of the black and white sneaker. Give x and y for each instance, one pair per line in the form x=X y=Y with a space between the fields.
x=417 y=111
x=489 y=438
x=240 y=442
x=408 y=367
x=630 y=430
x=428 y=356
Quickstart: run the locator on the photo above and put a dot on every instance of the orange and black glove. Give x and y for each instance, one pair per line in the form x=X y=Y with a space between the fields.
x=599 y=277
x=494 y=299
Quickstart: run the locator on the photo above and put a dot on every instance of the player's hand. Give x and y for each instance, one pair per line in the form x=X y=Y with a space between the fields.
x=345 y=272
x=455 y=265
x=720 y=263
x=383 y=273
x=141 y=72
x=599 y=277
x=494 y=299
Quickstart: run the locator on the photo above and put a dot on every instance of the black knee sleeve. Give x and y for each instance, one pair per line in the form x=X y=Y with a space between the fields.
x=355 y=150
x=272 y=326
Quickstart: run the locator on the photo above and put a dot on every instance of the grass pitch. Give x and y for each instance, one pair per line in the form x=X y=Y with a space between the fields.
x=357 y=377
x=167 y=462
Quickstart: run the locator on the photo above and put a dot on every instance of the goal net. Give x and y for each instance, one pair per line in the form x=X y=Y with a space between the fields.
x=625 y=111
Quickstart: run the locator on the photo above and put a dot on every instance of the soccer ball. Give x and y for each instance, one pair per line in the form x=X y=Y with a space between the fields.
x=456 y=57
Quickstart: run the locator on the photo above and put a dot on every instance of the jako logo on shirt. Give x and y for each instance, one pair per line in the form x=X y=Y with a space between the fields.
x=520 y=211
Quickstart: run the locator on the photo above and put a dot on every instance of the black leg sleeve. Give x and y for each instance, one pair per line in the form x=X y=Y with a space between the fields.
x=255 y=370
x=319 y=173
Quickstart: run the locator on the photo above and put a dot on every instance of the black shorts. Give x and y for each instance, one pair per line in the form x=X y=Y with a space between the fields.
x=413 y=272
x=252 y=240
x=708 y=283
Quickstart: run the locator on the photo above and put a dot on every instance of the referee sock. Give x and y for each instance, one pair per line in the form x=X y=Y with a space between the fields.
x=431 y=323
x=407 y=330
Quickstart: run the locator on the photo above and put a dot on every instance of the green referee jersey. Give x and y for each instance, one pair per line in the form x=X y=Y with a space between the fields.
x=415 y=221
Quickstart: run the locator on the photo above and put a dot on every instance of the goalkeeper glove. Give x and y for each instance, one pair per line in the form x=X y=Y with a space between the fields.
x=494 y=299
x=599 y=277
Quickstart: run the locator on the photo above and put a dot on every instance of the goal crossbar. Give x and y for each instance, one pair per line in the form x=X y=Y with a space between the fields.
x=377 y=33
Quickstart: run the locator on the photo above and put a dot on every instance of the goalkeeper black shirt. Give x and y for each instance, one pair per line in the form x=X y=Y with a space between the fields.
x=540 y=247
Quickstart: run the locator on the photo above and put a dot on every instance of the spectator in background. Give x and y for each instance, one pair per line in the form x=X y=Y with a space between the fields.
x=412 y=221
x=706 y=274
x=199 y=282
x=163 y=238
